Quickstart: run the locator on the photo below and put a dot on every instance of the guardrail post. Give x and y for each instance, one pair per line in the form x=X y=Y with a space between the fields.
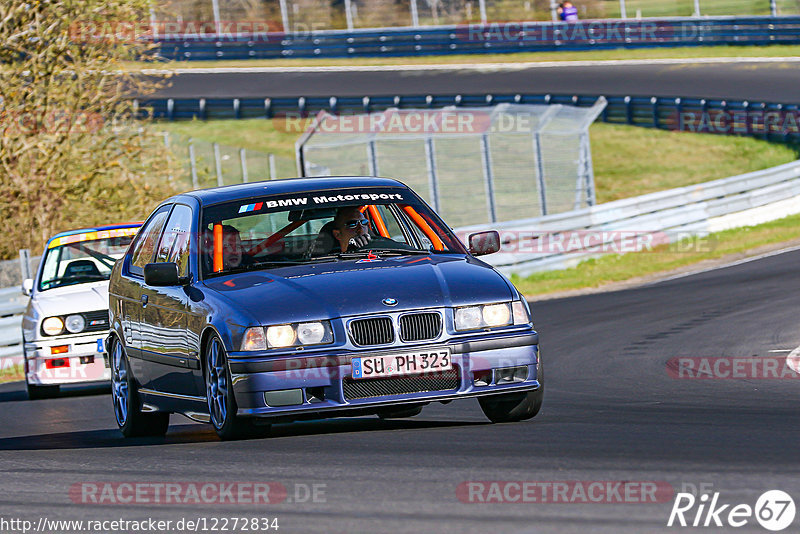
x=218 y=162
x=488 y=178
x=236 y=109
x=622 y=12
x=267 y=108
x=243 y=161
x=696 y=8
x=628 y=111
x=588 y=170
x=482 y=6
x=171 y=109
x=654 y=103
x=193 y=164
x=679 y=110
x=25 y=264
x=433 y=184
x=773 y=8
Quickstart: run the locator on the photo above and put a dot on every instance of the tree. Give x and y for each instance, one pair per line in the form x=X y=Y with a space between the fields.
x=72 y=153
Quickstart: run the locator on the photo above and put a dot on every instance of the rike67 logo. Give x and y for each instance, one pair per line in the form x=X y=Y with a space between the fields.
x=774 y=510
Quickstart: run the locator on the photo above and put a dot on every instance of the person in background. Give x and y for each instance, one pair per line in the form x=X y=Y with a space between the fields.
x=567 y=12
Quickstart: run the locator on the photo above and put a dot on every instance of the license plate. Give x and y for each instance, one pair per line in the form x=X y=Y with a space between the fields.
x=100 y=345
x=402 y=364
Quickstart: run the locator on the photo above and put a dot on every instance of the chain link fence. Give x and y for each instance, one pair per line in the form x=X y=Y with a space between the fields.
x=473 y=165
x=207 y=164
x=305 y=16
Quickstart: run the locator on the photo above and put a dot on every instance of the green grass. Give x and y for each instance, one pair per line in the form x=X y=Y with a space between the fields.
x=615 y=268
x=631 y=161
x=523 y=57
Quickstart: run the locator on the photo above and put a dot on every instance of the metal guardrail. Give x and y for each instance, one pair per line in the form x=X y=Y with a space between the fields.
x=12 y=306
x=765 y=120
x=503 y=37
x=677 y=213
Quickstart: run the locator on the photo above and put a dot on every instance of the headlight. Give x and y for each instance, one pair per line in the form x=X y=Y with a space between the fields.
x=522 y=315
x=75 y=323
x=281 y=336
x=484 y=316
x=52 y=326
x=310 y=333
x=287 y=335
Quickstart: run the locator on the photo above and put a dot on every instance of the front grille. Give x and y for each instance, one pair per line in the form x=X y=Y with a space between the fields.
x=378 y=387
x=420 y=326
x=99 y=317
x=376 y=331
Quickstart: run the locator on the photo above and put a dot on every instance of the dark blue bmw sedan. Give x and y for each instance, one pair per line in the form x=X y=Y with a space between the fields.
x=268 y=302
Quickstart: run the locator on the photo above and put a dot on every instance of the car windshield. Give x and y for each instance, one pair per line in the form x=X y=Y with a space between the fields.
x=83 y=257
x=341 y=225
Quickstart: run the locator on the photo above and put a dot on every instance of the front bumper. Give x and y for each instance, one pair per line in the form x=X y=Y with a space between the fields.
x=322 y=383
x=84 y=361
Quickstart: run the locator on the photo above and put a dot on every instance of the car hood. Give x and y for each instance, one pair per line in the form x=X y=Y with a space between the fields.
x=72 y=299
x=326 y=290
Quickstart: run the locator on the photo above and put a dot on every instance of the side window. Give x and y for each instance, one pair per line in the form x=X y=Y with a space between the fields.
x=147 y=240
x=175 y=241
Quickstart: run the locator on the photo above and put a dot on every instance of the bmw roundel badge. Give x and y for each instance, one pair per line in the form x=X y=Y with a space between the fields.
x=389 y=301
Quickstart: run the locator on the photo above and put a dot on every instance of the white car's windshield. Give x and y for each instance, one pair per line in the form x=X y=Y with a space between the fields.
x=83 y=257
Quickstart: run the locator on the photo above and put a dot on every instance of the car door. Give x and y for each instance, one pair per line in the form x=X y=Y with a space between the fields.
x=169 y=356
x=131 y=299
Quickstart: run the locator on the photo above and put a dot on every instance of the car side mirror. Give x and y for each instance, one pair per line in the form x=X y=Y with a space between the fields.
x=162 y=274
x=27 y=286
x=484 y=243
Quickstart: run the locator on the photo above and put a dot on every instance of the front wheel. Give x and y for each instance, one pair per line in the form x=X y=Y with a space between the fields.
x=512 y=407
x=222 y=405
x=132 y=421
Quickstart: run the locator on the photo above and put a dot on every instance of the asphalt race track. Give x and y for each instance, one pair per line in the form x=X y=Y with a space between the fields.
x=612 y=413
x=755 y=81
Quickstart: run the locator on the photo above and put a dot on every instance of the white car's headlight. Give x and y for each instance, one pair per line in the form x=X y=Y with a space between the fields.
x=287 y=335
x=75 y=323
x=483 y=316
x=52 y=326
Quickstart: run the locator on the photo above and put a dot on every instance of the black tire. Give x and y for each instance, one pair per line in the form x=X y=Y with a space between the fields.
x=132 y=421
x=222 y=405
x=512 y=407
x=400 y=412
x=41 y=392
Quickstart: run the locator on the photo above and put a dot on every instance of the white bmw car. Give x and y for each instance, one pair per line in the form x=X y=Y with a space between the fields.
x=66 y=321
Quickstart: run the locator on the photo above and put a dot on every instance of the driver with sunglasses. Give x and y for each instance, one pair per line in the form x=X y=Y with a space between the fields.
x=351 y=228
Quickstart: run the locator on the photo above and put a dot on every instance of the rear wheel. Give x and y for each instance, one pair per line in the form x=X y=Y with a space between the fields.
x=511 y=407
x=132 y=421
x=222 y=405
